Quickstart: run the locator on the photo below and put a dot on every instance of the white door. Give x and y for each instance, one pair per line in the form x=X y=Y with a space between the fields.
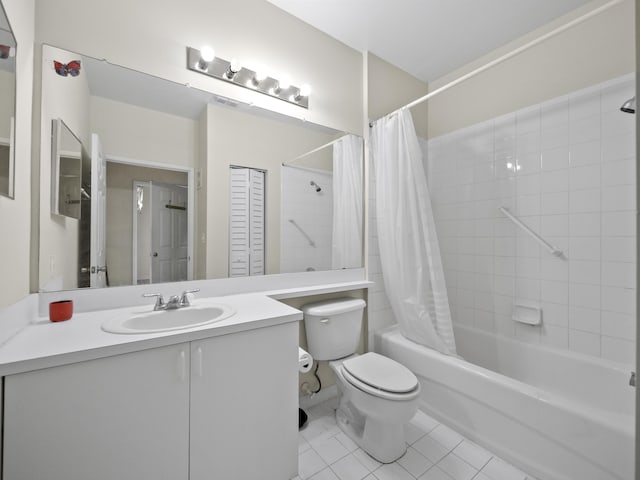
x=98 y=253
x=169 y=233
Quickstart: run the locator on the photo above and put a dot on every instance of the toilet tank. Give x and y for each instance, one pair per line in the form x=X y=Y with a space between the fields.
x=333 y=327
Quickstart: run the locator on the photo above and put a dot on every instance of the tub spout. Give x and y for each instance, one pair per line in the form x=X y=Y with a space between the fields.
x=632 y=380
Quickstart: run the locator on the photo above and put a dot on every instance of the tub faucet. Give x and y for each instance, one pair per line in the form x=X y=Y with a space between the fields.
x=632 y=380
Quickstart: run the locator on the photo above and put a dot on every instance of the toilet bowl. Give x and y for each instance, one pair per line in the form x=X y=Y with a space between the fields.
x=376 y=395
x=372 y=409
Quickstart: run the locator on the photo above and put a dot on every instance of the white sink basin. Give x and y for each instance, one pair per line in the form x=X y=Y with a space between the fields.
x=167 y=320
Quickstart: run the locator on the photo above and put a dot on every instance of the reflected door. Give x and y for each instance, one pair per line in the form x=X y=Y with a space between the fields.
x=98 y=277
x=169 y=238
x=246 y=222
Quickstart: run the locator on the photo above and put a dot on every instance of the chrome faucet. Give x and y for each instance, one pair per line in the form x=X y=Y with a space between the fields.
x=174 y=302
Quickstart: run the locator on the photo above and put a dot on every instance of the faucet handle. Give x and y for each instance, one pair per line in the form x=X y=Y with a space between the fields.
x=185 y=298
x=159 y=300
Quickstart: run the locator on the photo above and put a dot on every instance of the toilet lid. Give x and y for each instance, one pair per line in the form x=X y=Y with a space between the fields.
x=381 y=373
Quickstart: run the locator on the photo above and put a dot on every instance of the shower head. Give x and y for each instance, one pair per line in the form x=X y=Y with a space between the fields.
x=629 y=106
x=314 y=184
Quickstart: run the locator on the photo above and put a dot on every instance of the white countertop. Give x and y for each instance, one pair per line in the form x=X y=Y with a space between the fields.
x=43 y=344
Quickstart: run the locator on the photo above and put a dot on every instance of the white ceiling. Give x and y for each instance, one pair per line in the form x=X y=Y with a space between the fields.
x=427 y=38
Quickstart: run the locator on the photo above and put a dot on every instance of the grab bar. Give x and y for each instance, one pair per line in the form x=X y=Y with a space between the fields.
x=550 y=248
x=311 y=242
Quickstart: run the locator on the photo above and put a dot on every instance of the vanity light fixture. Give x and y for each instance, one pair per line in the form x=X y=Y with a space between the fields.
x=204 y=61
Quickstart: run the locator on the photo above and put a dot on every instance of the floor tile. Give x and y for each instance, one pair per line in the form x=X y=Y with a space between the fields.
x=435 y=452
x=347 y=442
x=392 y=471
x=481 y=476
x=431 y=449
x=473 y=454
x=303 y=445
x=424 y=422
x=330 y=450
x=310 y=463
x=349 y=468
x=326 y=474
x=434 y=473
x=315 y=430
x=457 y=468
x=414 y=462
x=446 y=436
x=412 y=433
x=497 y=469
x=367 y=460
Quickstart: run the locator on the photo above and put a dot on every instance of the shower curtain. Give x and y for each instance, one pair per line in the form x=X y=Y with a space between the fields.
x=409 y=251
x=346 y=251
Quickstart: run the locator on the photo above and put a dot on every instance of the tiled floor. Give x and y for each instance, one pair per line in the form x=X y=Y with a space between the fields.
x=435 y=452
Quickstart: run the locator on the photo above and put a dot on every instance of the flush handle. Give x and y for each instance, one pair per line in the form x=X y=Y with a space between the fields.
x=324 y=321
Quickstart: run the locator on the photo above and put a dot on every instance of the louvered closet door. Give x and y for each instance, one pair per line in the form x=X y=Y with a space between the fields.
x=246 y=227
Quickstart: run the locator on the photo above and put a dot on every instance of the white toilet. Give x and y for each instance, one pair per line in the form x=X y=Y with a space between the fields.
x=376 y=395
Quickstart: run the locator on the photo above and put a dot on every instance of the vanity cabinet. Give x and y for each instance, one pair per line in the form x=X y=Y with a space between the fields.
x=121 y=417
x=222 y=407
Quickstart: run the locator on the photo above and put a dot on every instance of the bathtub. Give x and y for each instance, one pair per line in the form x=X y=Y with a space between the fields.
x=555 y=414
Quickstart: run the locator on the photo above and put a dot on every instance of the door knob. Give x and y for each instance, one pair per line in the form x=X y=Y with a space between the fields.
x=155 y=254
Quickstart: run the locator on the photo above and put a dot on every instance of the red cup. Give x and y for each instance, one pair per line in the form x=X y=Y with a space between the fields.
x=61 y=310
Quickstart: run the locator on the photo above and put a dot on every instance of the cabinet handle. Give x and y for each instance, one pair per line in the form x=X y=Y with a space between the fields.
x=182 y=366
x=199 y=361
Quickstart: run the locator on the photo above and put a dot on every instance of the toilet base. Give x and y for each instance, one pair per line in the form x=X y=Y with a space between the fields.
x=383 y=441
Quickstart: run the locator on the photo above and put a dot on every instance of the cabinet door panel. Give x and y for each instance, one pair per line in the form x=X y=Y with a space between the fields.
x=122 y=417
x=244 y=402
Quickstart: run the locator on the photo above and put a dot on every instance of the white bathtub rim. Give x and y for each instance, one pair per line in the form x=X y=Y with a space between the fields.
x=507 y=404
x=622 y=423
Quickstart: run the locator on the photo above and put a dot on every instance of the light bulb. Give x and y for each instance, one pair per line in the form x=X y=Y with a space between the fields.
x=284 y=82
x=235 y=65
x=260 y=75
x=305 y=90
x=207 y=54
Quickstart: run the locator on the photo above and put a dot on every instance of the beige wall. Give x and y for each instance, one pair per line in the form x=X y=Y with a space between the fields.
x=120 y=178
x=66 y=98
x=598 y=49
x=391 y=88
x=152 y=36
x=240 y=138
x=15 y=214
x=139 y=133
x=7 y=101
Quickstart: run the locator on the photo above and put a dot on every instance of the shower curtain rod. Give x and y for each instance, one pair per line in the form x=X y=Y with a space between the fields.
x=317 y=149
x=505 y=57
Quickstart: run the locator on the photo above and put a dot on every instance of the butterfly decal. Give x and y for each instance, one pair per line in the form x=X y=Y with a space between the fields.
x=63 y=69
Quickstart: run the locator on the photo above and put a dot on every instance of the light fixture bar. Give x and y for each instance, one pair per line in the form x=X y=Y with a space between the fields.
x=219 y=68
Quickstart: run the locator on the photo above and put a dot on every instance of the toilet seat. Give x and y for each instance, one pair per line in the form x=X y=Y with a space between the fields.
x=380 y=376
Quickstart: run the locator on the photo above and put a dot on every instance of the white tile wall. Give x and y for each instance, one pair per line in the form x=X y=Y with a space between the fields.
x=311 y=210
x=379 y=313
x=567 y=168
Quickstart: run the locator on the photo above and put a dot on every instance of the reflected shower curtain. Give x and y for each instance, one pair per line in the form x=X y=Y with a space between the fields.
x=346 y=251
x=409 y=251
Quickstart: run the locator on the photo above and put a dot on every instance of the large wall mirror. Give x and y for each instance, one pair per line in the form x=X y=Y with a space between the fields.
x=182 y=184
x=8 y=48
